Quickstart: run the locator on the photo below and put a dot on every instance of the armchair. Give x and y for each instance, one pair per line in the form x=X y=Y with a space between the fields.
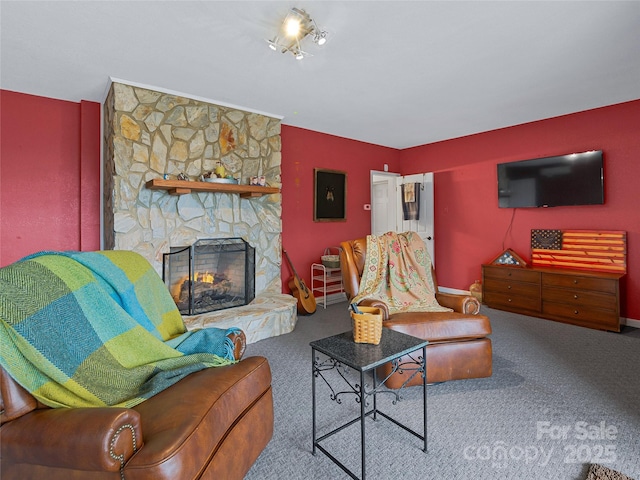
x=87 y=390
x=213 y=423
x=459 y=347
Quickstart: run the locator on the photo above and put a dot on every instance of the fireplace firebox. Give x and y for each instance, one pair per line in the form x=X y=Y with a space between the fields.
x=211 y=274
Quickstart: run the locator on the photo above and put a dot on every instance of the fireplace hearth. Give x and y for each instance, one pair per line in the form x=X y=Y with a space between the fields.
x=211 y=274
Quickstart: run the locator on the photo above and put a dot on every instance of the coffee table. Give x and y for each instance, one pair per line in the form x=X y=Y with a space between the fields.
x=341 y=353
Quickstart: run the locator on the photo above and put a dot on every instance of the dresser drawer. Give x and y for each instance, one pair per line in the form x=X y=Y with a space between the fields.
x=516 y=302
x=584 y=298
x=582 y=315
x=585 y=283
x=510 y=287
x=512 y=273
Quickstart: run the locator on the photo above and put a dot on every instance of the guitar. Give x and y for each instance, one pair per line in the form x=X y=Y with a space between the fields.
x=306 y=300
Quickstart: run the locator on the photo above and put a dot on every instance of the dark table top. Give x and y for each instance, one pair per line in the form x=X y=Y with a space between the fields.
x=365 y=356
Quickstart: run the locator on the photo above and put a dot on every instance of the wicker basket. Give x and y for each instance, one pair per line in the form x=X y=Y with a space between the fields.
x=367 y=326
x=329 y=259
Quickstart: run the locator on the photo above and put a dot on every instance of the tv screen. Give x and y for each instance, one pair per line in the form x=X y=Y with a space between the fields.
x=574 y=179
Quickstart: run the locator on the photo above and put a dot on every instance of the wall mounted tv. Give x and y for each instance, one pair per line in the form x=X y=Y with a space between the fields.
x=574 y=179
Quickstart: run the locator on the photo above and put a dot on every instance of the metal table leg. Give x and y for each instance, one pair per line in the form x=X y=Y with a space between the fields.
x=362 y=428
x=313 y=396
x=424 y=395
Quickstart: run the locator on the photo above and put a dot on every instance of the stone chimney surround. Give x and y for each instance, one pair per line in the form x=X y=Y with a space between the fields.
x=151 y=135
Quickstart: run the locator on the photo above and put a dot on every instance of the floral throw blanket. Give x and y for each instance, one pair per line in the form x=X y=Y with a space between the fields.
x=397 y=271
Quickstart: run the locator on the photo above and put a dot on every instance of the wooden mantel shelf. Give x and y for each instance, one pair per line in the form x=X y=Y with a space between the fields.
x=182 y=187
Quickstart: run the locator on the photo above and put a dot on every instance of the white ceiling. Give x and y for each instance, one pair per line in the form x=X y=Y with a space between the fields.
x=393 y=73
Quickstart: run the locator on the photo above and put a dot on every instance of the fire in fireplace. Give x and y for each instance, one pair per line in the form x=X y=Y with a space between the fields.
x=211 y=274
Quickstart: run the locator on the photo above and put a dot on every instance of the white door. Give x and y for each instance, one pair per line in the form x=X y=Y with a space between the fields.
x=424 y=225
x=383 y=202
x=386 y=206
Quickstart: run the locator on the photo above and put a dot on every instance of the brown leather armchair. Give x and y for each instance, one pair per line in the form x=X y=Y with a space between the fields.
x=459 y=347
x=212 y=424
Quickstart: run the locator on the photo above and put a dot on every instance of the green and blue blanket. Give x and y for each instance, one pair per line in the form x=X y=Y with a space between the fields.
x=83 y=329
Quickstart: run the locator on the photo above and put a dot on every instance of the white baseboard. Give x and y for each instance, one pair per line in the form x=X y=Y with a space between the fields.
x=453 y=290
x=630 y=322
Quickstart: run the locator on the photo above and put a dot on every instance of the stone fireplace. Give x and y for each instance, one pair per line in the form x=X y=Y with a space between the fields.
x=150 y=134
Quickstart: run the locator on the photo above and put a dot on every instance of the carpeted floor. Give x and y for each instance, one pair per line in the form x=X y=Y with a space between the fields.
x=560 y=398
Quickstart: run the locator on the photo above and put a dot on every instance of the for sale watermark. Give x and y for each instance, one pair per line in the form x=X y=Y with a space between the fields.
x=593 y=443
x=580 y=442
x=500 y=454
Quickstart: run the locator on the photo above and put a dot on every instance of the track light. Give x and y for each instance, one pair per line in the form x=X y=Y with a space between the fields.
x=294 y=29
x=320 y=38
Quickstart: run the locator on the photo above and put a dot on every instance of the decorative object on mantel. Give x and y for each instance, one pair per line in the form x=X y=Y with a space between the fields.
x=218 y=175
x=509 y=258
x=258 y=180
x=221 y=180
x=179 y=187
x=297 y=26
x=603 y=251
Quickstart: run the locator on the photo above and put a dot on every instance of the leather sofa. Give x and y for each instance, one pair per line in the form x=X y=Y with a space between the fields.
x=459 y=344
x=212 y=424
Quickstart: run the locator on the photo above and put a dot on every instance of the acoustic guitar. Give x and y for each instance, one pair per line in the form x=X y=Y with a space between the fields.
x=306 y=300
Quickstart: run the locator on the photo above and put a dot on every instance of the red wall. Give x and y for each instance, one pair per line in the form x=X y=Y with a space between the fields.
x=302 y=151
x=471 y=229
x=50 y=185
x=49 y=175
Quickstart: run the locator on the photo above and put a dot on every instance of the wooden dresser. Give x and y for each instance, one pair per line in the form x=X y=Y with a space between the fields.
x=585 y=298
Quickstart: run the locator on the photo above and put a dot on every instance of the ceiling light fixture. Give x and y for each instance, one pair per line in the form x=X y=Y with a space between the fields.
x=297 y=26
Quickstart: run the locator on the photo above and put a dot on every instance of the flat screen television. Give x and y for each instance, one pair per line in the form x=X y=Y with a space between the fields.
x=574 y=179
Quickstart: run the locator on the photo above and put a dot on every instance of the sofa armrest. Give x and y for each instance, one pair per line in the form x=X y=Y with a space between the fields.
x=459 y=303
x=91 y=439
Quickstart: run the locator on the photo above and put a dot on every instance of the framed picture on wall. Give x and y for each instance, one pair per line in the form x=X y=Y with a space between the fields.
x=330 y=196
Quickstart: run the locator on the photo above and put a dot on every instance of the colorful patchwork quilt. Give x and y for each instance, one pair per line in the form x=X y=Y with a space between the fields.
x=88 y=329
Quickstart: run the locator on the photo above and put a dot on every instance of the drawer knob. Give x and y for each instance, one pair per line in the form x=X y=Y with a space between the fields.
x=575 y=296
x=575 y=282
x=509 y=287
x=576 y=312
x=509 y=300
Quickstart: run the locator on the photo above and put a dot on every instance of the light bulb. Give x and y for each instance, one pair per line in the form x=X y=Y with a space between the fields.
x=292 y=27
x=322 y=40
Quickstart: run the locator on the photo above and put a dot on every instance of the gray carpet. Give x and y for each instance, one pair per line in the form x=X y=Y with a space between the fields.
x=561 y=398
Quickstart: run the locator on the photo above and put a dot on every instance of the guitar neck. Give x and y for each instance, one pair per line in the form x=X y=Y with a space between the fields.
x=295 y=274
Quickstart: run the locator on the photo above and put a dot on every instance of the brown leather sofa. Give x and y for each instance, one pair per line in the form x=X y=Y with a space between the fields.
x=459 y=347
x=212 y=424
